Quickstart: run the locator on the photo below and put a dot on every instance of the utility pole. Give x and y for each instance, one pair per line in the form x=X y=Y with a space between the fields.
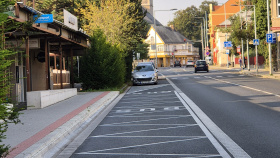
x=202 y=39
x=269 y=44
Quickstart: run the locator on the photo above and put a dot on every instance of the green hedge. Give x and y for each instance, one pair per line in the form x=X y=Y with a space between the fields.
x=103 y=66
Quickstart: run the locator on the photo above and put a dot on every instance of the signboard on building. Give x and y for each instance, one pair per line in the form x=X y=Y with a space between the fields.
x=274 y=28
x=70 y=20
x=45 y=18
x=33 y=43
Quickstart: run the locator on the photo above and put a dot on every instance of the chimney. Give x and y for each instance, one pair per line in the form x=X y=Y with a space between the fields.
x=172 y=27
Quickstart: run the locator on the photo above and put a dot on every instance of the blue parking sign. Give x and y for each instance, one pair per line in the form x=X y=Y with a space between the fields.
x=271 y=38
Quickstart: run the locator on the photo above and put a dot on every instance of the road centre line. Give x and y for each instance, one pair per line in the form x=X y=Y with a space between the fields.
x=247 y=87
x=208 y=127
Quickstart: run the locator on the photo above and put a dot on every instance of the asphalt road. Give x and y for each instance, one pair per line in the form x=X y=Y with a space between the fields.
x=245 y=108
x=215 y=114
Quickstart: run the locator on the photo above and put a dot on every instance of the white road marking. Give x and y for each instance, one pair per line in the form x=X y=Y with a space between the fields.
x=166 y=118
x=208 y=127
x=129 y=125
x=144 y=154
x=149 y=102
x=148 y=88
x=145 y=116
x=141 y=113
x=140 y=145
x=151 y=109
x=247 y=87
x=151 y=137
x=148 y=130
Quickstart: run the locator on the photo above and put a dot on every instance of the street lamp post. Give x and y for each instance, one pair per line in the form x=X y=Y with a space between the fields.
x=269 y=44
x=203 y=38
x=156 y=32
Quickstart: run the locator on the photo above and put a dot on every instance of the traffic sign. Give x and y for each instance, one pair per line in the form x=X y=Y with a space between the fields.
x=256 y=42
x=207 y=53
x=227 y=44
x=227 y=51
x=271 y=38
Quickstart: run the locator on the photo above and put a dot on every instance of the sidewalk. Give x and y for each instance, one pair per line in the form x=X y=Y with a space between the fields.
x=42 y=129
x=262 y=72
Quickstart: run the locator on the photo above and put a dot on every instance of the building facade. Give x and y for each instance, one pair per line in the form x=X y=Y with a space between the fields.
x=171 y=46
x=218 y=20
x=45 y=61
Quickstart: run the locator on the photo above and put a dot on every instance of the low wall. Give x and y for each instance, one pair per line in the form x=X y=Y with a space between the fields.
x=41 y=99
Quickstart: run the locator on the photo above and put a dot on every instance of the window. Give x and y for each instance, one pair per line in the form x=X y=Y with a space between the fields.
x=160 y=48
x=143 y=68
x=152 y=40
x=278 y=8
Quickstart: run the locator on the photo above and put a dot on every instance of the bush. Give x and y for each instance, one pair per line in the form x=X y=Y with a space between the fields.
x=103 y=66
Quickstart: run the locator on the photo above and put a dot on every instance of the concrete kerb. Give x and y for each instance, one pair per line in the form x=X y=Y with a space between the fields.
x=53 y=139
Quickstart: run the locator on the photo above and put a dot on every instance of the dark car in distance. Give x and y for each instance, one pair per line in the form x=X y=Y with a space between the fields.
x=201 y=65
x=177 y=63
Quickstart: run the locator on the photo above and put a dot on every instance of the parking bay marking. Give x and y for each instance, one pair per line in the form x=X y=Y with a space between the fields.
x=150 y=109
x=149 y=130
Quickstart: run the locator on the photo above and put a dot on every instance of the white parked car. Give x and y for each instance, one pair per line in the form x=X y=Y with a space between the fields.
x=144 y=74
x=190 y=63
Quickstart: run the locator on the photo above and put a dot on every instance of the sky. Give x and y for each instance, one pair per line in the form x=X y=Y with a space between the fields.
x=165 y=16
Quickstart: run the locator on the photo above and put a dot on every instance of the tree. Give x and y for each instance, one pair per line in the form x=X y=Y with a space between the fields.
x=103 y=65
x=122 y=21
x=261 y=22
x=7 y=115
x=185 y=23
x=236 y=33
x=55 y=7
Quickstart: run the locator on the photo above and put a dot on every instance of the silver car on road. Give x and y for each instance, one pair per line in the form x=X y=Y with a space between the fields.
x=144 y=74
